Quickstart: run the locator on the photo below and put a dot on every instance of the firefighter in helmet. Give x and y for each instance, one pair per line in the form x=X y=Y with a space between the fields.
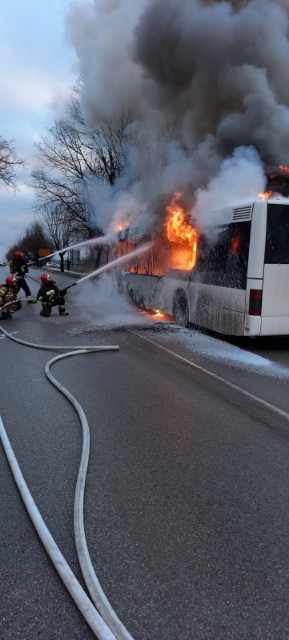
x=19 y=268
x=8 y=298
x=51 y=296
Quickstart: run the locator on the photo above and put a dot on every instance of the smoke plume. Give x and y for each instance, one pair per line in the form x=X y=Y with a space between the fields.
x=206 y=85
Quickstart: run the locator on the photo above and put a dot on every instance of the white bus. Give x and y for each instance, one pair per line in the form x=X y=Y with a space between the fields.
x=239 y=284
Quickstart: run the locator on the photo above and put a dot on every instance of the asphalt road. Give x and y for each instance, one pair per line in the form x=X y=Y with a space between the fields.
x=186 y=509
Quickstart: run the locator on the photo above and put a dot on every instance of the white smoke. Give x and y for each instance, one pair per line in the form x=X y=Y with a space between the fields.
x=101 y=32
x=240 y=178
x=206 y=86
x=100 y=304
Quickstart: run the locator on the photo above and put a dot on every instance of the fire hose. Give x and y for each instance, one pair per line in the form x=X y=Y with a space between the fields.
x=97 y=611
x=7 y=304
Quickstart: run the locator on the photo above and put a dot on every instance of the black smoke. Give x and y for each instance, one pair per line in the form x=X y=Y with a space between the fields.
x=207 y=86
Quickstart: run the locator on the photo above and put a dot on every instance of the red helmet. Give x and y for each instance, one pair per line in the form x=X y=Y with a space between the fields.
x=18 y=254
x=10 y=281
x=46 y=277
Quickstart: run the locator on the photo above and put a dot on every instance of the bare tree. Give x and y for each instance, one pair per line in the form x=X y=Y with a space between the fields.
x=60 y=186
x=33 y=238
x=72 y=156
x=64 y=150
x=107 y=144
x=61 y=203
x=8 y=162
x=59 y=227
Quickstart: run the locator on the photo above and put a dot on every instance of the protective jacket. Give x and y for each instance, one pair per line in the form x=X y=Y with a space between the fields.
x=48 y=292
x=8 y=294
x=51 y=296
x=18 y=267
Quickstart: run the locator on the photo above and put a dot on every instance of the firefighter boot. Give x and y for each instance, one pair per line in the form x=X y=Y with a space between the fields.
x=62 y=311
x=45 y=311
x=30 y=299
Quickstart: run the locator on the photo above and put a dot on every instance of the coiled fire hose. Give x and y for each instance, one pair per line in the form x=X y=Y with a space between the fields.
x=101 y=618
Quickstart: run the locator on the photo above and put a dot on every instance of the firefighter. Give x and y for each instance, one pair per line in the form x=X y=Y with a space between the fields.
x=19 y=268
x=8 y=293
x=51 y=296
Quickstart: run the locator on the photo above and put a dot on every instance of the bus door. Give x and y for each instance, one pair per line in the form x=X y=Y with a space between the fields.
x=275 y=299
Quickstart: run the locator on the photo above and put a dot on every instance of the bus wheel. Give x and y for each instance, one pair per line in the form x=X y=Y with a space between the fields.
x=181 y=308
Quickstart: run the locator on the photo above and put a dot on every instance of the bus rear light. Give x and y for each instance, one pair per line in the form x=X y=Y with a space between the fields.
x=255 y=302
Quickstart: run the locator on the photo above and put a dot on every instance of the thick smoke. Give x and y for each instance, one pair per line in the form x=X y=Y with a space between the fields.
x=206 y=85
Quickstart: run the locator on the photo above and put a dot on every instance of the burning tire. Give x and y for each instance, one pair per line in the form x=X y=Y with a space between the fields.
x=181 y=308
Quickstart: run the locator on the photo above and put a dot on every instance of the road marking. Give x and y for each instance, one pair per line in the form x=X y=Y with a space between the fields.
x=265 y=404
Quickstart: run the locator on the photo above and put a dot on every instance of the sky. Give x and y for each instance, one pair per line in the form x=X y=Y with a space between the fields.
x=205 y=106
x=37 y=70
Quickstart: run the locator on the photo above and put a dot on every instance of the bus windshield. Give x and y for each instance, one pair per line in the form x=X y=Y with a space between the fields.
x=277 y=237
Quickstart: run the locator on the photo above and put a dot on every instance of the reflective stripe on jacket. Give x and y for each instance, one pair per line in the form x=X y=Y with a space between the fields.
x=7 y=294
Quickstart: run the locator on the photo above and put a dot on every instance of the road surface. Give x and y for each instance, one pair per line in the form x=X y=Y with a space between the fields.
x=186 y=507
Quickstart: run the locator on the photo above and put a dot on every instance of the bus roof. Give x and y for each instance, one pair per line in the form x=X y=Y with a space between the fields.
x=241 y=212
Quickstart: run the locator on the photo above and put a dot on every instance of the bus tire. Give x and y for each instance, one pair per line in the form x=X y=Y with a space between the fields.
x=181 y=308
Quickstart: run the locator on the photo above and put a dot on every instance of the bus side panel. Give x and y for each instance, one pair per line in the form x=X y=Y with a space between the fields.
x=144 y=290
x=220 y=309
x=276 y=290
x=275 y=303
x=275 y=326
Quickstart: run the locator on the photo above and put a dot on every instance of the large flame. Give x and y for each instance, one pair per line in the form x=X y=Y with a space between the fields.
x=177 y=228
x=179 y=232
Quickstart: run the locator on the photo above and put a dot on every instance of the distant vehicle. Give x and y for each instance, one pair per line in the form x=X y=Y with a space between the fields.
x=51 y=264
x=3 y=263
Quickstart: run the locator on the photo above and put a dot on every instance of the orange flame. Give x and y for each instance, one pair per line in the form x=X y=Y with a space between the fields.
x=235 y=245
x=155 y=313
x=119 y=226
x=179 y=231
x=265 y=195
x=158 y=314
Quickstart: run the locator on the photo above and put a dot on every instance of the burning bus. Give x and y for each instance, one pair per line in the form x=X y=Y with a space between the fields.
x=233 y=279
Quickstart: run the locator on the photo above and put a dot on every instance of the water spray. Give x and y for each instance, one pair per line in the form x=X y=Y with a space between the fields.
x=86 y=243
x=97 y=272
x=113 y=263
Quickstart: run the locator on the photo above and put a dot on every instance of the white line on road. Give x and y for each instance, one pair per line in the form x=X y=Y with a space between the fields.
x=265 y=404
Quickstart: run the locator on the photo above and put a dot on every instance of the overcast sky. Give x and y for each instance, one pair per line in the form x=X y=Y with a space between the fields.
x=37 y=70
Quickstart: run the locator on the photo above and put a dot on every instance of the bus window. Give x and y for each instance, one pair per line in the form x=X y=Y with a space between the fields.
x=225 y=263
x=277 y=238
